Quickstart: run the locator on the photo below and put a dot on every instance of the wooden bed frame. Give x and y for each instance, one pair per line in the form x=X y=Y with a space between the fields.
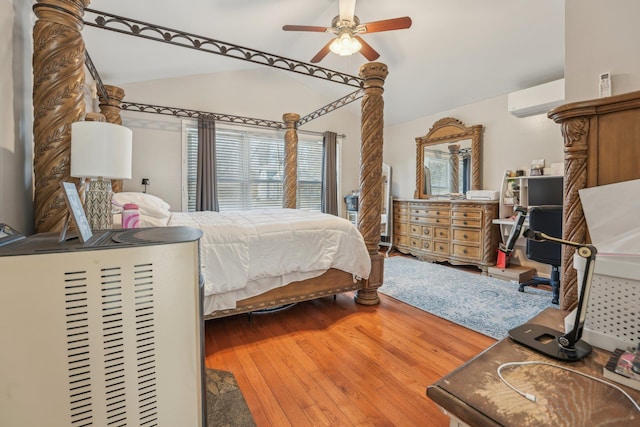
x=58 y=101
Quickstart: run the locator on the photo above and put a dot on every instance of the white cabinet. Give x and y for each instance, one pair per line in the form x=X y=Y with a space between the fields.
x=106 y=333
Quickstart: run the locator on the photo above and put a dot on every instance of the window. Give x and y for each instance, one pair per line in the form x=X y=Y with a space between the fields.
x=250 y=167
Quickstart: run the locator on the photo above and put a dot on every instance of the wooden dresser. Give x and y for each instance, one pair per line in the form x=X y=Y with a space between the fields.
x=457 y=231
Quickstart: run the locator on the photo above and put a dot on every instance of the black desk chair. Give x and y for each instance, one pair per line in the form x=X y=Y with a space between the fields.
x=548 y=220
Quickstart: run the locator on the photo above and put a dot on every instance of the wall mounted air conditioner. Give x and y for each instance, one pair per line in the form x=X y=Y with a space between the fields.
x=536 y=100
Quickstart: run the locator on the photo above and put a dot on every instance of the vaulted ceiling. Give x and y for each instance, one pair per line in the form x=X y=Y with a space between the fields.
x=455 y=53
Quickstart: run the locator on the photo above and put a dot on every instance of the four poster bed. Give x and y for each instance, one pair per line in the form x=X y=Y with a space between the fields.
x=59 y=60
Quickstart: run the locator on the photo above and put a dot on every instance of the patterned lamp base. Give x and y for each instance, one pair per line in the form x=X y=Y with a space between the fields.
x=98 y=204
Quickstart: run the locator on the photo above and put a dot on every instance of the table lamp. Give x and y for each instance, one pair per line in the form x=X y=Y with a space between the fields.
x=101 y=152
x=567 y=347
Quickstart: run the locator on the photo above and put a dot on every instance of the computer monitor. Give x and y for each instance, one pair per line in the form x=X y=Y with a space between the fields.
x=545 y=191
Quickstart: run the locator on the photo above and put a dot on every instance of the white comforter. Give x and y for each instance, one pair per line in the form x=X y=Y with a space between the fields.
x=245 y=253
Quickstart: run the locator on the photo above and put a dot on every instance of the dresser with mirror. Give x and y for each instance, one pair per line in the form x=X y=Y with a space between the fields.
x=438 y=224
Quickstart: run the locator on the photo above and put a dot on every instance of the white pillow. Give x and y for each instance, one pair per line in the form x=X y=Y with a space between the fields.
x=148 y=204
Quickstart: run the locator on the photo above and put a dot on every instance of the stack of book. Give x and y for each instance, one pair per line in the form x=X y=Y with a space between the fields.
x=624 y=367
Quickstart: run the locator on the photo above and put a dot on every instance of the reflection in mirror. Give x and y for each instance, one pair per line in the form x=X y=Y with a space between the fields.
x=447 y=168
x=448 y=160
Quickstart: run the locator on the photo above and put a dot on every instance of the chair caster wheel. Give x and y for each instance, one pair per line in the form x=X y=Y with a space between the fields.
x=554 y=301
x=520 y=288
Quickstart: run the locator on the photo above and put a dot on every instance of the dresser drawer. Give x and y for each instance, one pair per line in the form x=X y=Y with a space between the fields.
x=420 y=219
x=438 y=213
x=466 y=236
x=415 y=242
x=437 y=221
x=441 y=248
x=400 y=240
x=462 y=222
x=441 y=233
x=421 y=230
x=400 y=217
x=467 y=214
x=464 y=251
x=418 y=210
x=400 y=227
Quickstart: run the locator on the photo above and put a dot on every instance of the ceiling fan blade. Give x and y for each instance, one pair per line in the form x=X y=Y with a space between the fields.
x=366 y=50
x=347 y=9
x=385 y=25
x=323 y=52
x=304 y=28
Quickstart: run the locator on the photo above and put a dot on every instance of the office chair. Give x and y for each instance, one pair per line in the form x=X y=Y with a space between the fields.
x=547 y=219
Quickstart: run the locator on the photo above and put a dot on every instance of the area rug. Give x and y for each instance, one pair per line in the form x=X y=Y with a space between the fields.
x=484 y=304
x=226 y=406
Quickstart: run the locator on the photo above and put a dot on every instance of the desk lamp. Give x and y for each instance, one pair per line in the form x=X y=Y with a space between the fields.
x=566 y=347
x=100 y=151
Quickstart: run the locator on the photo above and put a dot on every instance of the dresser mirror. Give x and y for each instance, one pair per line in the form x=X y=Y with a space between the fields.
x=448 y=160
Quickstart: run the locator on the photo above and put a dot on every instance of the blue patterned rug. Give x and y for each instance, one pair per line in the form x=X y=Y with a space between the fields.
x=485 y=304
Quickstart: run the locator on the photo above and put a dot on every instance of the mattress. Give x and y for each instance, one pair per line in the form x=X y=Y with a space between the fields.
x=246 y=253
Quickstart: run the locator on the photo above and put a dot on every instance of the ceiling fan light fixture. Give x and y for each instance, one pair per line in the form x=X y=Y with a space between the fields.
x=345 y=45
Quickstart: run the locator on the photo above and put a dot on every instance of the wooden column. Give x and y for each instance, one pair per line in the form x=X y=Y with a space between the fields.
x=290 y=161
x=111 y=110
x=574 y=226
x=58 y=101
x=454 y=166
x=370 y=200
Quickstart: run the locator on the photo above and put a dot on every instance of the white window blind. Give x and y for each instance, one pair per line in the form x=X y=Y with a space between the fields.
x=250 y=168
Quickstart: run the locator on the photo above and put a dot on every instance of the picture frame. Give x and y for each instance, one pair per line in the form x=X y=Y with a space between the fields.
x=76 y=213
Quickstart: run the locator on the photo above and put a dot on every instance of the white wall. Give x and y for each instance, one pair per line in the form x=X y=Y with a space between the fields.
x=601 y=36
x=508 y=142
x=16 y=116
x=259 y=93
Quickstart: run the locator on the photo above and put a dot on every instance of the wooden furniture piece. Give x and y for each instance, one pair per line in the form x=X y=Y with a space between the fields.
x=457 y=231
x=474 y=395
x=448 y=148
x=58 y=101
x=600 y=147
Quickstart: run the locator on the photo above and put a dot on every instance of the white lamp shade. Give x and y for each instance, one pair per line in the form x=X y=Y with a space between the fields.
x=100 y=149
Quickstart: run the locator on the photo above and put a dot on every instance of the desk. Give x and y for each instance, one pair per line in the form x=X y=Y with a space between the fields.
x=475 y=395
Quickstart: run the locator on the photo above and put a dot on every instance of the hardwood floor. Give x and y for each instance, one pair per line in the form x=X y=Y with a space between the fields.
x=334 y=362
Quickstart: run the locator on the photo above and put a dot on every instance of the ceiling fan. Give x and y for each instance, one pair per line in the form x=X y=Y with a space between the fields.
x=347 y=28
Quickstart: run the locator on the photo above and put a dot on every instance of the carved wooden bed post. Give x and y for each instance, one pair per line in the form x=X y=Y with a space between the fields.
x=111 y=110
x=574 y=226
x=58 y=100
x=370 y=200
x=289 y=186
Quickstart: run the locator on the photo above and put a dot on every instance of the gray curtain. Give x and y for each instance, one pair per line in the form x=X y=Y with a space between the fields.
x=329 y=172
x=206 y=183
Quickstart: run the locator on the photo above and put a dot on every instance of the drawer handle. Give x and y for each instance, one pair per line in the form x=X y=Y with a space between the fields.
x=464 y=251
x=464 y=222
x=437 y=220
x=465 y=236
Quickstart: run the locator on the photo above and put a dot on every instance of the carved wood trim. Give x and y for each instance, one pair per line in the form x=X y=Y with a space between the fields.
x=289 y=186
x=370 y=199
x=58 y=100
